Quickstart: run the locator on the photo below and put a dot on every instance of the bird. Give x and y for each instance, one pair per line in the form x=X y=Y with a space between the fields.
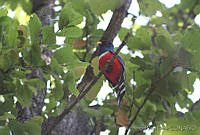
x=115 y=73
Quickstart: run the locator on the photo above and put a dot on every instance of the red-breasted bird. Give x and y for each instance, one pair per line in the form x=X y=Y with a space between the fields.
x=116 y=71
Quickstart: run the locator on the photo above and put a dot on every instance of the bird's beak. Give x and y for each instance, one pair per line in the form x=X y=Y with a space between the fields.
x=99 y=43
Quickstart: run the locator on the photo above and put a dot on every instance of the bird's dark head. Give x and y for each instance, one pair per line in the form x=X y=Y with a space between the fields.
x=105 y=46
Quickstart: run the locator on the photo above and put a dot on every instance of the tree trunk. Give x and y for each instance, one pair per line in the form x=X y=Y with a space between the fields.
x=44 y=11
x=75 y=123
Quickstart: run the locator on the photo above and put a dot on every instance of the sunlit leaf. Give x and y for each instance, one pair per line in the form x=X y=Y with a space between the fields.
x=71 y=32
x=69 y=17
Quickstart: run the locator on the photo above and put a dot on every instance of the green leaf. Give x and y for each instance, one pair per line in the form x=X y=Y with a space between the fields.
x=141 y=79
x=188 y=5
x=143 y=63
x=69 y=17
x=7 y=105
x=4 y=63
x=35 y=28
x=164 y=43
x=92 y=112
x=16 y=127
x=191 y=39
x=7 y=116
x=141 y=41
x=55 y=67
x=58 y=90
x=8 y=60
x=99 y=7
x=160 y=31
x=160 y=115
x=35 y=55
x=105 y=110
x=71 y=32
x=18 y=74
x=79 y=6
x=91 y=95
x=140 y=90
x=79 y=71
x=178 y=126
x=13 y=57
x=11 y=35
x=35 y=82
x=185 y=57
x=3 y=12
x=66 y=56
x=149 y=111
x=24 y=94
x=190 y=81
x=27 y=6
x=4 y=130
x=37 y=119
x=95 y=65
x=149 y=7
x=32 y=128
x=138 y=123
x=52 y=103
x=166 y=64
x=122 y=33
x=48 y=35
x=69 y=82
x=197 y=9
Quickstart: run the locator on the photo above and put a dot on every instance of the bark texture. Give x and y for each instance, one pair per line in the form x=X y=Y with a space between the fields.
x=44 y=10
x=37 y=102
x=75 y=123
x=116 y=21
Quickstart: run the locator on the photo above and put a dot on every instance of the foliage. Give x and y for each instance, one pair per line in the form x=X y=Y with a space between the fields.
x=167 y=42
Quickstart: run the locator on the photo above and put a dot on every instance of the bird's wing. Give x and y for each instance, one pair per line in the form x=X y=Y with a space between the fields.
x=120 y=86
x=123 y=76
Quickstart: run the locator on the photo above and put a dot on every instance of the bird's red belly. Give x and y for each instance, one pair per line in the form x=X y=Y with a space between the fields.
x=114 y=71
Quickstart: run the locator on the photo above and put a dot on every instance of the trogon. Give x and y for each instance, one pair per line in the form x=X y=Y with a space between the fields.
x=115 y=73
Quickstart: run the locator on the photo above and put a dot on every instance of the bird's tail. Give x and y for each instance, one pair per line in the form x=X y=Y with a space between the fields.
x=120 y=90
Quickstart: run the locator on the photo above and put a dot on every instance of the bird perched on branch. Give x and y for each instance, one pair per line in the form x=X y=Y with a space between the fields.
x=116 y=71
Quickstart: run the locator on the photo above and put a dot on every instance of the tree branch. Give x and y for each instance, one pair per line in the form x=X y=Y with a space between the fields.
x=84 y=92
x=153 y=87
x=116 y=21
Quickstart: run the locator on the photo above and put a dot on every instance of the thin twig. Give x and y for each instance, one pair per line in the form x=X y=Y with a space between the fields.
x=153 y=87
x=84 y=92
